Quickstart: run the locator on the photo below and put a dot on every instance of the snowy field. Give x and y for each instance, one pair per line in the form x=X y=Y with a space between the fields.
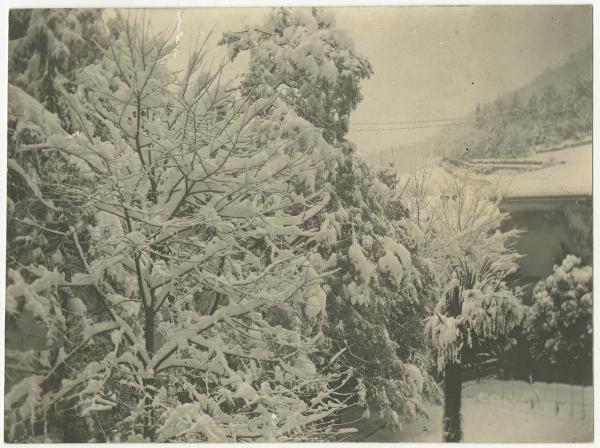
x=489 y=418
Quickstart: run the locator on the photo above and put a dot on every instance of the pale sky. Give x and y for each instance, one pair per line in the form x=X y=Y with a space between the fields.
x=430 y=62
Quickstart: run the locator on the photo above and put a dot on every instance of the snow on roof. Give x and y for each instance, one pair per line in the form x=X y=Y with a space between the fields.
x=569 y=175
x=539 y=180
x=553 y=174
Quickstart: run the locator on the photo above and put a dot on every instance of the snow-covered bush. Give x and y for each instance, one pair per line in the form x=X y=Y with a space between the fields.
x=38 y=239
x=487 y=316
x=559 y=322
x=195 y=256
x=44 y=46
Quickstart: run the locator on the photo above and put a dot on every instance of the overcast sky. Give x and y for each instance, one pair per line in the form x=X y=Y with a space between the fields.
x=429 y=62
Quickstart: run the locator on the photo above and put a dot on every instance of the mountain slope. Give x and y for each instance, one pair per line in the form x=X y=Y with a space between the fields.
x=578 y=66
x=553 y=108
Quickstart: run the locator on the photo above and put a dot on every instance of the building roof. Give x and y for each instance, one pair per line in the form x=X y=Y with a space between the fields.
x=563 y=173
x=544 y=180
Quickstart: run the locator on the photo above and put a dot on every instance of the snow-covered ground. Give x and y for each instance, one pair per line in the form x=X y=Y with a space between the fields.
x=542 y=413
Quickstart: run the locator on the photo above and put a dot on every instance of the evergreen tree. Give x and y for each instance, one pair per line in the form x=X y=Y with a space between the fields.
x=550 y=105
x=479 y=119
x=312 y=66
x=515 y=110
x=381 y=291
x=579 y=109
x=532 y=103
x=50 y=45
x=45 y=47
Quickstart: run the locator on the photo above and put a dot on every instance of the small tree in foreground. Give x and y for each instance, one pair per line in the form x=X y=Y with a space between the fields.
x=194 y=258
x=476 y=312
x=559 y=322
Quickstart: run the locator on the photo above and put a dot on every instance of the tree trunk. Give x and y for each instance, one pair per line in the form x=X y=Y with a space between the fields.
x=73 y=427
x=149 y=380
x=453 y=384
x=149 y=330
x=452 y=402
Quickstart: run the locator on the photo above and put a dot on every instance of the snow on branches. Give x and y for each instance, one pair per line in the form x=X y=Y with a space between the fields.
x=298 y=54
x=473 y=256
x=197 y=250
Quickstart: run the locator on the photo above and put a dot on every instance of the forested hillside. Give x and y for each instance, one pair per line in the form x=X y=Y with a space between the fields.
x=552 y=110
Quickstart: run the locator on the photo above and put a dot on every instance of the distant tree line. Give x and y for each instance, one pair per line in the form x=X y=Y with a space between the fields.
x=512 y=129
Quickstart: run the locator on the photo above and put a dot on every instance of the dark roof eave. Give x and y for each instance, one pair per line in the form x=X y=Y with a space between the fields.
x=549 y=202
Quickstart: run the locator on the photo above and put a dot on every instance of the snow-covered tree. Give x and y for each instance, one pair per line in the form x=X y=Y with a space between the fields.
x=195 y=261
x=559 y=322
x=381 y=291
x=476 y=312
x=299 y=54
x=380 y=296
x=45 y=44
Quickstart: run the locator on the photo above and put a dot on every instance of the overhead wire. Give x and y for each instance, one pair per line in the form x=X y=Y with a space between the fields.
x=413 y=127
x=412 y=121
x=452 y=121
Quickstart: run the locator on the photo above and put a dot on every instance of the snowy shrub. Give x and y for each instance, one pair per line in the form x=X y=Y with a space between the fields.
x=559 y=322
x=363 y=267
